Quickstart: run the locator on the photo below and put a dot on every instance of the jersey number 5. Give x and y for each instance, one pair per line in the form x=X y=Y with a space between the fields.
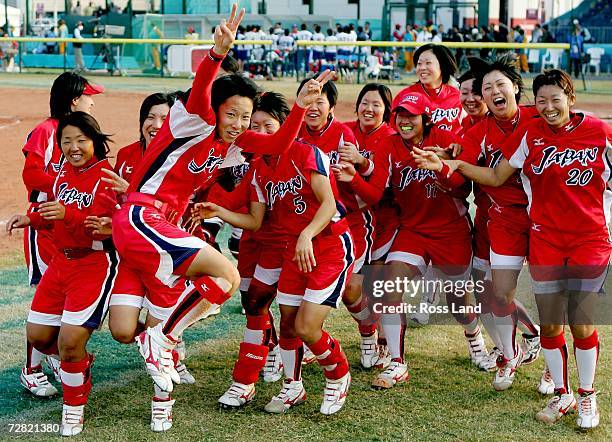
x=300 y=205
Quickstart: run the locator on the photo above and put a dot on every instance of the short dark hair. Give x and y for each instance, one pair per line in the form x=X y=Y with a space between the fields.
x=506 y=64
x=329 y=89
x=554 y=77
x=272 y=103
x=230 y=64
x=147 y=104
x=448 y=64
x=385 y=94
x=90 y=127
x=317 y=28
x=228 y=86
x=65 y=88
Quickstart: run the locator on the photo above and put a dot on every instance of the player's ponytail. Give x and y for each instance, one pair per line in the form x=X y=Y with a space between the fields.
x=90 y=128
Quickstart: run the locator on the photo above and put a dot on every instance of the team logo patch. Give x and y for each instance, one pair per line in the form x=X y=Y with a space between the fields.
x=73 y=196
x=211 y=163
x=408 y=174
x=551 y=156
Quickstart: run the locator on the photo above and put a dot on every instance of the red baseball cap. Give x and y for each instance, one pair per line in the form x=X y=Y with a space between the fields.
x=93 y=89
x=414 y=102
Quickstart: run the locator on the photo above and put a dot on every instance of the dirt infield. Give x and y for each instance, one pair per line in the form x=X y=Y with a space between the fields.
x=117 y=112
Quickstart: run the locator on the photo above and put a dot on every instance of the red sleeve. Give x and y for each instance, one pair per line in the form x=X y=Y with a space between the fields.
x=471 y=149
x=37 y=222
x=276 y=143
x=38 y=140
x=34 y=175
x=371 y=191
x=199 y=98
x=454 y=181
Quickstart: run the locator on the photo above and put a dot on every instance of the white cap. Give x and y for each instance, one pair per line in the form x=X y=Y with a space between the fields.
x=575 y=21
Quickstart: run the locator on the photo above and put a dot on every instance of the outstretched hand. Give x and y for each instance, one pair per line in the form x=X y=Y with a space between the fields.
x=116 y=183
x=313 y=88
x=102 y=225
x=225 y=32
x=427 y=159
x=17 y=222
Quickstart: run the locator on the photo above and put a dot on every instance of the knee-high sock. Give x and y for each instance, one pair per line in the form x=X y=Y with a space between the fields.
x=394 y=326
x=76 y=380
x=292 y=353
x=198 y=299
x=251 y=360
x=525 y=323
x=555 y=355
x=257 y=329
x=586 y=352
x=360 y=312
x=159 y=394
x=330 y=356
x=506 y=317
x=33 y=357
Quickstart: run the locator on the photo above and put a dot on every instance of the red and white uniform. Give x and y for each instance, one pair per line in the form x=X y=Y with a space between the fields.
x=434 y=225
x=374 y=147
x=76 y=287
x=508 y=225
x=43 y=159
x=128 y=158
x=284 y=185
x=360 y=219
x=566 y=176
x=184 y=156
x=130 y=289
x=446 y=111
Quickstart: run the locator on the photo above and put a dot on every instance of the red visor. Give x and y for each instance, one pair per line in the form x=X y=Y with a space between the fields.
x=93 y=89
x=413 y=102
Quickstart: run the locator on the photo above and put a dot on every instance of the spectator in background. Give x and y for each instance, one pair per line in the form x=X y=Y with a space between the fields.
x=576 y=42
x=63 y=33
x=304 y=52
x=536 y=34
x=191 y=34
x=410 y=36
x=242 y=53
x=286 y=46
x=397 y=33
x=586 y=35
x=77 y=9
x=338 y=28
x=424 y=36
x=318 y=52
x=8 y=49
x=519 y=37
x=50 y=46
x=485 y=38
x=79 y=66
x=331 y=51
x=367 y=30
x=547 y=37
x=435 y=36
x=278 y=29
x=89 y=9
x=352 y=32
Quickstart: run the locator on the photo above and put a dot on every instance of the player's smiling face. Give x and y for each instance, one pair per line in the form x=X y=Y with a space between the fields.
x=499 y=94
x=472 y=103
x=264 y=123
x=410 y=126
x=155 y=118
x=76 y=146
x=234 y=117
x=371 y=111
x=318 y=113
x=428 y=70
x=553 y=104
x=84 y=103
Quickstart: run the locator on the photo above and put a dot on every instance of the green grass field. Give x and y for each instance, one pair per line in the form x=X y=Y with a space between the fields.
x=446 y=398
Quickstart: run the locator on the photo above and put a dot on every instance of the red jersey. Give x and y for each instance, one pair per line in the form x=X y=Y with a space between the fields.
x=128 y=158
x=469 y=122
x=329 y=140
x=484 y=141
x=566 y=174
x=446 y=112
x=184 y=155
x=284 y=186
x=43 y=159
x=82 y=193
x=424 y=208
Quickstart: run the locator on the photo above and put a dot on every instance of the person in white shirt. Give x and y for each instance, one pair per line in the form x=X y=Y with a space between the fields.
x=331 y=51
x=78 y=48
x=304 y=52
x=286 y=45
x=318 y=52
x=344 y=37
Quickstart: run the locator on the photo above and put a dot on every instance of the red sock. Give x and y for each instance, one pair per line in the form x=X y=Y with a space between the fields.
x=330 y=356
x=554 y=350
x=292 y=353
x=251 y=359
x=257 y=329
x=76 y=380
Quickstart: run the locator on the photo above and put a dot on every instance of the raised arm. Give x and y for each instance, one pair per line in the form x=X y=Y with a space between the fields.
x=199 y=98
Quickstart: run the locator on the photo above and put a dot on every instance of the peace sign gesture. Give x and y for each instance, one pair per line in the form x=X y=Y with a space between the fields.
x=312 y=89
x=225 y=32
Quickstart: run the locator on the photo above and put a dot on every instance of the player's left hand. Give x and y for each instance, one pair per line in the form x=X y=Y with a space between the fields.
x=344 y=172
x=304 y=253
x=225 y=32
x=427 y=159
x=313 y=88
x=102 y=225
x=17 y=222
x=52 y=211
x=203 y=211
x=442 y=153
